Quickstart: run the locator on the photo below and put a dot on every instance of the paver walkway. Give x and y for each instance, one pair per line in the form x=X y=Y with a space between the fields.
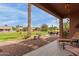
x=51 y=49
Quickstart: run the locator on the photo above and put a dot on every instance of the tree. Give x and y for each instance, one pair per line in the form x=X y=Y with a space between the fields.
x=24 y=29
x=44 y=27
x=5 y=25
x=55 y=28
x=13 y=28
x=17 y=28
x=66 y=26
x=37 y=29
x=51 y=28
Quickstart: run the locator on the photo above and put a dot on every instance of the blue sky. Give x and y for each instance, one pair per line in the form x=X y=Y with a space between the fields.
x=14 y=14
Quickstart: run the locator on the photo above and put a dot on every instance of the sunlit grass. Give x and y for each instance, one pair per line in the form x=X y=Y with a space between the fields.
x=39 y=33
x=9 y=36
x=18 y=35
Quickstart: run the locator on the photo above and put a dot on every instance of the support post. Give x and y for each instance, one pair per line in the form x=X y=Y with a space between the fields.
x=61 y=27
x=29 y=20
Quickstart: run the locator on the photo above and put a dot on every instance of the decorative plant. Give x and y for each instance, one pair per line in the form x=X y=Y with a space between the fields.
x=66 y=33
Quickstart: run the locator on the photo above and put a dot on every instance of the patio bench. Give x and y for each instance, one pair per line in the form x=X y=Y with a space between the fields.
x=74 y=39
x=66 y=42
x=73 y=50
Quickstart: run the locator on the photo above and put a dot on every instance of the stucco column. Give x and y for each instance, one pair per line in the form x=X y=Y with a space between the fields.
x=29 y=19
x=61 y=28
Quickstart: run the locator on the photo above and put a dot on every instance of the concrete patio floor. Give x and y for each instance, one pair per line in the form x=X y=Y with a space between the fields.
x=51 y=49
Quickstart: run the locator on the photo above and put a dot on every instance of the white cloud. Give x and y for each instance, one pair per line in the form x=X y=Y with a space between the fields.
x=11 y=9
x=8 y=22
x=10 y=15
x=54 y=22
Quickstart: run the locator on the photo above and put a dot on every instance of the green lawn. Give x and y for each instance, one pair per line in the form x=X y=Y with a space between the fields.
x=9 y=36
x=17 y=35
x=39 y=32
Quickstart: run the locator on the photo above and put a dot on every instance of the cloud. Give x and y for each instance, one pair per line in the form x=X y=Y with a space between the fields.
x=40 y=17
x=11 y=16
x=8 y=23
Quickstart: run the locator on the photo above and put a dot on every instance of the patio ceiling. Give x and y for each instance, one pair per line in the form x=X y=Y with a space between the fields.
x=58 y=9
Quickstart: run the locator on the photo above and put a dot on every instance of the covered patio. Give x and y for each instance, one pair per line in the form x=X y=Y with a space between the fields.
x=50 y=45
x=61 y=11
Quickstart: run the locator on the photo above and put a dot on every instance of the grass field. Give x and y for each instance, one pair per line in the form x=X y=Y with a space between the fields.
x=17 y=35
x=9 y=36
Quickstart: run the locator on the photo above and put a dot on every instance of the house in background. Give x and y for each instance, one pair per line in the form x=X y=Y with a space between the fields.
x=5 y=29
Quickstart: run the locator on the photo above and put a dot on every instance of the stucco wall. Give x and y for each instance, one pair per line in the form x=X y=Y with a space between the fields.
x=74 y=20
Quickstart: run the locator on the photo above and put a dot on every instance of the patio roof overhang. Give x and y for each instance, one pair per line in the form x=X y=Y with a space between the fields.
x=58 y=9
